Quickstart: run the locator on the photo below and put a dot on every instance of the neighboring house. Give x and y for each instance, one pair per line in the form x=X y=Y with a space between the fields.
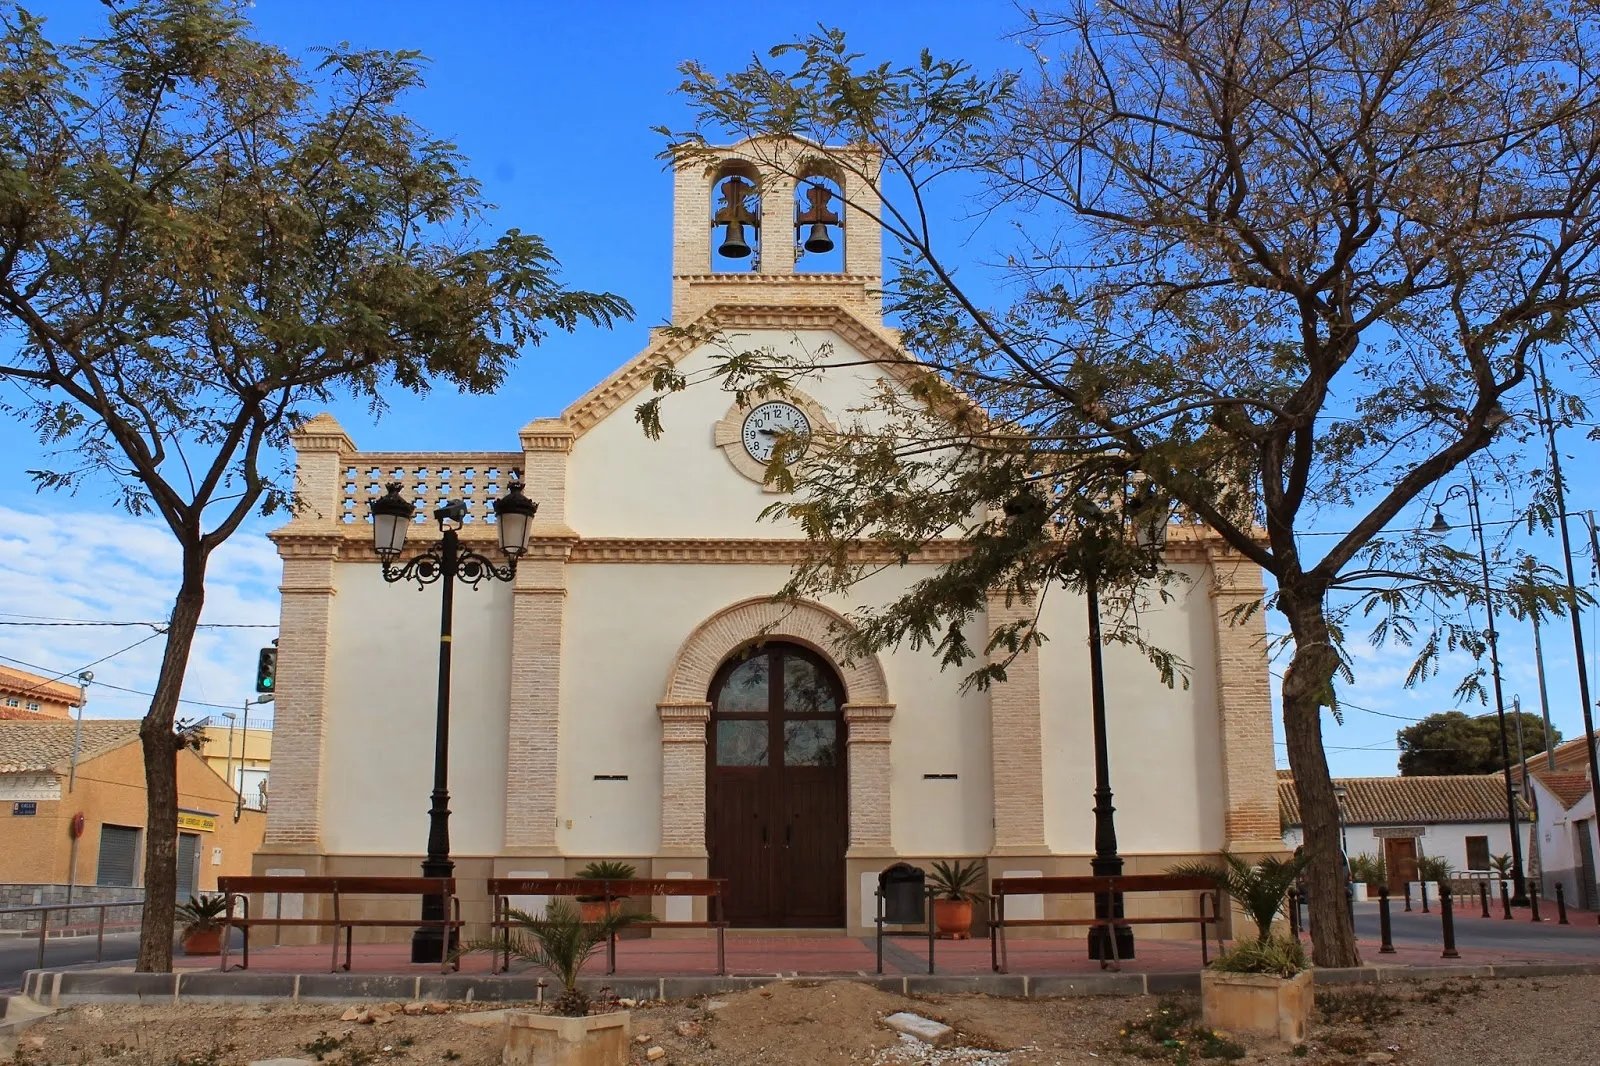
x=241 y=756
x=41 y=793
x=637 y=694
x=28 y=693
x=1460 y=818
x=1568 y=842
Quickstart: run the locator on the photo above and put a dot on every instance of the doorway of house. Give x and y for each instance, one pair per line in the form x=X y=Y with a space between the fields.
x=776 y=816
x=1399 y=863
x=1586 y=869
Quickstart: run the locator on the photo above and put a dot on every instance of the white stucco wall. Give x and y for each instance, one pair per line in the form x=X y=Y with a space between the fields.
x=1163 y=743
x=622 y=485
x=1560 y=859
x=624 y=627
x=382 y=694
x=1448 y=841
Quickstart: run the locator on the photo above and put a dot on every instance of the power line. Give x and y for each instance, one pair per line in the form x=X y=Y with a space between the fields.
x=85 y=666
x=47 y=620
x=119 y=688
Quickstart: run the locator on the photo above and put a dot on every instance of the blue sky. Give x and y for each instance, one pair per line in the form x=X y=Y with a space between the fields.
x=554 y=104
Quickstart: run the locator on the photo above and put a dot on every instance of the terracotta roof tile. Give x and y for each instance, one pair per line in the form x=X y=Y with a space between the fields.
x=20 y=683
x=1410 y=800
x=1567 y=786
x=17 y=714
x=34 y=747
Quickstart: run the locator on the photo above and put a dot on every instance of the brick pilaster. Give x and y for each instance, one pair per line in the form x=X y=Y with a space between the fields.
x=537 y=613
x=683 y=777
x=1244 y=704
x=1017 y=744
x=867 y=740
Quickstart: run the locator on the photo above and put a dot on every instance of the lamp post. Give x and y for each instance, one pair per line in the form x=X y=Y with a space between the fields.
x=448 y=562
x=231 y=717
x=1149 y=520
x=1339 y=793
x=1440 y=526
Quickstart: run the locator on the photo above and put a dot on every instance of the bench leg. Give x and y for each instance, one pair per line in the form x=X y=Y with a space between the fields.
x=722 y=956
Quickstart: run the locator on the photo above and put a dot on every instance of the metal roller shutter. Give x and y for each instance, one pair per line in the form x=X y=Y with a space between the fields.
x=119 y=856
x=188 y=864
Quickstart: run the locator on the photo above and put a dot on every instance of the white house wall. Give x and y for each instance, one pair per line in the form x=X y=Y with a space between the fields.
x=1447 y=841
x=1163 y=742
x=382 y=694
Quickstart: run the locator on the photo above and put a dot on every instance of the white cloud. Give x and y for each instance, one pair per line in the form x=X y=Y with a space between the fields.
x=105 y=565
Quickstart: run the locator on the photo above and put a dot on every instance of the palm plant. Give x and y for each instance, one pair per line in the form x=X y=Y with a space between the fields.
x=958 y=880
x=201 y=914
x=606 y=870
x=1433 y=868
x=1260 y=889
x=560 y=942
x=1368 y=870
x=1501 y=865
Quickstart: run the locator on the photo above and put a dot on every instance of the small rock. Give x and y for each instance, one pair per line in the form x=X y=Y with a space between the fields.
x=413 y=1008
x=350 y=1014
x=363 y=1017
x=393 y=1008
x=282 y=1062
x=1376 y=1058
x=627 y=1003
x=655 y=1053
x=716 y=1004
x=642 y=1038
x=924 y=1029
x=689 y=1029
x=436 y=1008
x=382 y=1016
x=34 y=1042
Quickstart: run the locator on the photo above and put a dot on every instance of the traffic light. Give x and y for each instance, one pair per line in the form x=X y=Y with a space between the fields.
x=267 y=670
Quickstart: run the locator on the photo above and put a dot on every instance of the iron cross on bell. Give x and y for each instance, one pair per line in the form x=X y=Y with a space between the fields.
x=820 y=218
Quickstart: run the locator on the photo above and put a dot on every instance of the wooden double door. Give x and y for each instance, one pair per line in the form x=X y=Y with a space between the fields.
x=777 y=824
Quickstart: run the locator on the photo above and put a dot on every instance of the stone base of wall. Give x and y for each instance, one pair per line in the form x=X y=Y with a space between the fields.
x=22 y=895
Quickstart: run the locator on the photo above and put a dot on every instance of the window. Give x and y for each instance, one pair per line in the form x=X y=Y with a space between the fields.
x=11 y=702
x=33 y=706
x=119 y=856
x=1477 y=853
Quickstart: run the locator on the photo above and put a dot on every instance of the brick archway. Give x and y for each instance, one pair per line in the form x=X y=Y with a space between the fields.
x=749 y=621
x=685 y=709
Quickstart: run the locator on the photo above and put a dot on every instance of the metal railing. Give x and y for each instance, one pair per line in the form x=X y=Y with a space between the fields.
x=43 y=911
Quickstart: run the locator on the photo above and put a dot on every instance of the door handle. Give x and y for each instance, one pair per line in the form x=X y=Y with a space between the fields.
x=788 y=834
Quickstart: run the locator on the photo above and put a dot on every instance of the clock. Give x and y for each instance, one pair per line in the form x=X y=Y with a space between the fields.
x=767 y=422
x=748 y=434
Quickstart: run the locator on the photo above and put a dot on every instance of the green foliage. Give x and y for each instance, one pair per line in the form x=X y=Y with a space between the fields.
x=1260 y=889
x=1433 y=868
x=606 y=870
x=1277 y=956
x=1500 y=865
x=1453 y=743
x=958 y=880
x=201 y=914
x=202 y=241
x=1172 y=1033
x=560 y=942
x=325 y=1045
x=1369 y=869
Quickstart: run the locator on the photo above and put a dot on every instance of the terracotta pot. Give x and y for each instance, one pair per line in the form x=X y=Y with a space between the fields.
x=593 y=910
x=953 y=918
x=203 y=942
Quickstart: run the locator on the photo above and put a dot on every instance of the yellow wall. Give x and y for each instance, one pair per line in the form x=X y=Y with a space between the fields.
x=110 y=791
x=252 y=748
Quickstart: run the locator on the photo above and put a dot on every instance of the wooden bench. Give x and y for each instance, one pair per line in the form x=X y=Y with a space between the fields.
x=1101 y=888
x=712 y=889
x=338 y=888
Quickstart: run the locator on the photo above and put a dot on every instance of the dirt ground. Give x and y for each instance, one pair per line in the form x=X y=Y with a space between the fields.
x=1548 y=1022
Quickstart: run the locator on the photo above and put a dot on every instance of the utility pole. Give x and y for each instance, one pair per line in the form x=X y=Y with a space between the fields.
x=1544 y=699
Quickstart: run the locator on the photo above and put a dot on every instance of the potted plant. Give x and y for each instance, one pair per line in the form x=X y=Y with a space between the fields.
x=1263 y=985
x=561 y=942
x=594 y=908
x=955 y=887
x=200 y=924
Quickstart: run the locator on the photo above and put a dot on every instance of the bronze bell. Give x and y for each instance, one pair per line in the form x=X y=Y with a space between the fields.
x=820 y=218
x=733 y=244
x=734 y=215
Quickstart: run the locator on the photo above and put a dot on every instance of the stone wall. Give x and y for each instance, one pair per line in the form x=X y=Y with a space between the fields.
x=45 y=895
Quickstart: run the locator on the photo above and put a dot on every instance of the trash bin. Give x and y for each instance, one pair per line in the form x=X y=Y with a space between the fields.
x=902 y=887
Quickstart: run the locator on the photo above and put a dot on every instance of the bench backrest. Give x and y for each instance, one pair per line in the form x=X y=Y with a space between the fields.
x=588 y=886
x=1040 y=886
x=377 y=886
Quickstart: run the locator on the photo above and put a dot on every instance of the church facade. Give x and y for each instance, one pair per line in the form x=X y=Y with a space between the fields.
x=636 y=694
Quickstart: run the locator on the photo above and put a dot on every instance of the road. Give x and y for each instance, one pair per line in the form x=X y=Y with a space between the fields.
x=1493 y=934
x=17 y=956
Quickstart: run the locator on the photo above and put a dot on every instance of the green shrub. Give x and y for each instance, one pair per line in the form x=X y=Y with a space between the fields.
x=1278 y=956
x=958 y=880
x=1432 y=868
x=1173 y=1033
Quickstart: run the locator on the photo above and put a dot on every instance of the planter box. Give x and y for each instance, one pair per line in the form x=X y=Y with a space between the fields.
x=1276 y=1007
x=549 y=1040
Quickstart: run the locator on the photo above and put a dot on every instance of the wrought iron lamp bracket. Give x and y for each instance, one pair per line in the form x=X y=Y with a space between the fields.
x=472 y=569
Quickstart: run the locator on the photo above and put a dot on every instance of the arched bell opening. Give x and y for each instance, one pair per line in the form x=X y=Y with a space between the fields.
x=735 y=219
x=819 y=221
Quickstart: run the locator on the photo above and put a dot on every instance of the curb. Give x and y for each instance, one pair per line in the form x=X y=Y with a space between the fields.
x=60 y=988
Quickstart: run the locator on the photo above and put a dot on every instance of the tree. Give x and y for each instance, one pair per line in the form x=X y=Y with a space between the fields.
x=198 y=239
x=1269 y=265
x=1452 y=743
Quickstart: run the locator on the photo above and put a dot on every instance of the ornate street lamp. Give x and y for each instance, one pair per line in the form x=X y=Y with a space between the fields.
x=1519 y=896
x=391 y=518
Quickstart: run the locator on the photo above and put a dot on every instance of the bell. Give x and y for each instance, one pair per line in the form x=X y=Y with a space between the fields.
x=819 y=241
x=733 y=244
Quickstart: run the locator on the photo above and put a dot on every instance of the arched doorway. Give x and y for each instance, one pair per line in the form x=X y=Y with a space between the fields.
x=777 y=823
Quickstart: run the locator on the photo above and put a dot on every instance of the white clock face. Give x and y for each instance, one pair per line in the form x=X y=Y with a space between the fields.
x=769 y=421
